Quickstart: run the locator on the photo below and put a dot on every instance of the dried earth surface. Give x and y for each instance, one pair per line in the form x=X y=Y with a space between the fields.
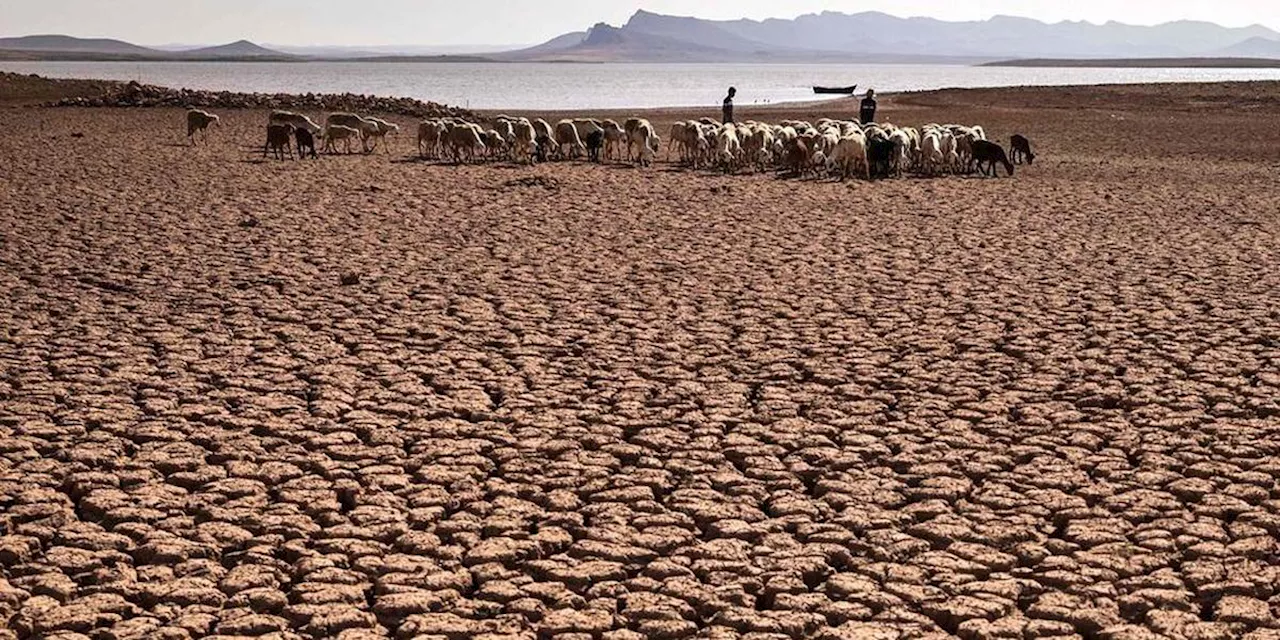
x=369 y=397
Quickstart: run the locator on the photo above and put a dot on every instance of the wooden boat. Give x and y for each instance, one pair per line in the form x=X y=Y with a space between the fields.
x=836 y=90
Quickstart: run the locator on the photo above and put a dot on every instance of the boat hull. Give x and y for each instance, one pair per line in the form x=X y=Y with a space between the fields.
x=846 y=91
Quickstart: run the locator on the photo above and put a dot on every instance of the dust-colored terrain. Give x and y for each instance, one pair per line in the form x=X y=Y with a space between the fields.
x=369 y=397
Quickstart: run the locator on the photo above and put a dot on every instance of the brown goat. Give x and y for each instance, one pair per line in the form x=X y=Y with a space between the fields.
x=279 y=141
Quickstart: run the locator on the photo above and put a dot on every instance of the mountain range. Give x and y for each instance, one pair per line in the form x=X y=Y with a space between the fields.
x=879 y=37
x=822 y=37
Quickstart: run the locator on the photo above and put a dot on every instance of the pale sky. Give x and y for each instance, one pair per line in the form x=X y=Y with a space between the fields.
x=459 y=22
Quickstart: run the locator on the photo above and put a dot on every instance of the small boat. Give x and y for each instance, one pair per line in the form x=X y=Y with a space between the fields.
x=846 y=91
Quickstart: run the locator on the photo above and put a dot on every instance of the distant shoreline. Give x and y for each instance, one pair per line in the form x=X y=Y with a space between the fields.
x=11 y=55
x=1140 y=63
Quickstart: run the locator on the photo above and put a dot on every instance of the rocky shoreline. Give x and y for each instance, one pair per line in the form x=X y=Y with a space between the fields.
x=135 y=94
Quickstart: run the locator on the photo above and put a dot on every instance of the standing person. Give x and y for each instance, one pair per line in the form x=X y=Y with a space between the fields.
x=868 y=111
x=728 y=105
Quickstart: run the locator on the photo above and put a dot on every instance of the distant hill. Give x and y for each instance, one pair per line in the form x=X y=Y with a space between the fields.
x=874 y=36
x=59 y=47
x=238 y=49
x=1257 y=47
x=1142 y=63
x=68 y=44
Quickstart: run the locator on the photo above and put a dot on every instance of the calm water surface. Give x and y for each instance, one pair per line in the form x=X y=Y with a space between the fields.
x=598 y=86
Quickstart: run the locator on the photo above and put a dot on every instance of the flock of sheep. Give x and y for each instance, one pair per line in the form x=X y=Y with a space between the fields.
x=843 y=148
x=838 y=148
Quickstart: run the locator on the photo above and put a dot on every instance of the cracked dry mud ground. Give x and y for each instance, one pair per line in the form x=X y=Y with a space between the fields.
x=620 y=404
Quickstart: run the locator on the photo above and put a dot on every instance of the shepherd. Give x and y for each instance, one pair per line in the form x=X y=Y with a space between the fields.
x=728 y=105
x=868 y=111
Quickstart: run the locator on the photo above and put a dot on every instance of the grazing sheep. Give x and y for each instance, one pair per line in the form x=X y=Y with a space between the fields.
x=988 y=154
x=964 y=150
x=525 y=138
x=850 y=154
x=818 y=163
x=306 y=143
x=430 y=134
x=506 y=128
x=542 y=128
x=198 y=120
x=570 y=144
x=953 y=160
x=346 y=120
x=496 y=143
x=298 y=121
x=379 y=132
x=728 y=147
x=365 y=126
x=680 y=138
x=614 y=137
x=1020 y=149
x=931 y=156
x=586 y=127
x=336 y=132
x=543 y=146
x=641 y=135
x=795 y=156
x=279 y=141
x=466 y=140
x=636 y=139
x=757 y=146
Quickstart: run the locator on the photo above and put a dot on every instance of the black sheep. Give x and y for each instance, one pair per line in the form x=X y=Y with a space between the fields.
x=882 y=155
x=595 y=142
x=278 y=141
x=306 y=143
x=988 y=154
x=542 y=145
x=1020 y=148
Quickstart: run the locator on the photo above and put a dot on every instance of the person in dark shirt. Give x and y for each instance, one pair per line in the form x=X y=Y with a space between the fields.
x=728 y=105
x=868 y=111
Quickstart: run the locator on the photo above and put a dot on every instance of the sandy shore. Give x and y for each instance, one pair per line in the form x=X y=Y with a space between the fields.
x=578 y=401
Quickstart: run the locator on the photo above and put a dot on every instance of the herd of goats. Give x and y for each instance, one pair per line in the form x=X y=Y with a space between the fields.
x=839 y=148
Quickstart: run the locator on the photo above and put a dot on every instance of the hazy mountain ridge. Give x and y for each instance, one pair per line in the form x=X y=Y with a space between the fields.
x=817 y=37
x=879 y=36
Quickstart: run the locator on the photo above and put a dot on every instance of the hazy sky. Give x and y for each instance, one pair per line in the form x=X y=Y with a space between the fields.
x=456 y=22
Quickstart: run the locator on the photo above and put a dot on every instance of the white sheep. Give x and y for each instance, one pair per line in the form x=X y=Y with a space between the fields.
x=614 y=137
x=430 y=134
x=632 y=128
x=298 y=120
x=466 y=140
x=728 y=147
x=931 y=156
x=380 y=130
x=851 y=154
x=524 y=140
x=497 y=144
x=644 y=136
x=568 y=140
x=542 y=128
x=336 y=132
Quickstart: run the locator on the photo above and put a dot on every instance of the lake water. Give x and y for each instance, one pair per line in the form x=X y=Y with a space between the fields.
x=597 y=86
